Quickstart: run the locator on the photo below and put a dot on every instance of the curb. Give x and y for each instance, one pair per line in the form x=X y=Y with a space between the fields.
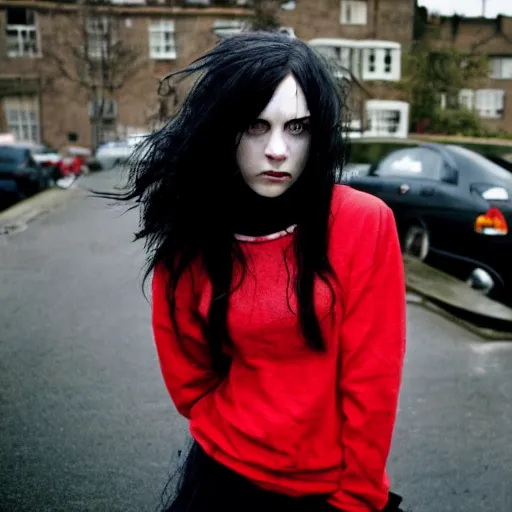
x=17 y=217
x=483 y=332
x=456 y=301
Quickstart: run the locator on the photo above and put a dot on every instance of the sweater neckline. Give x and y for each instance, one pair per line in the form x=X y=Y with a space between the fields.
x=266 y=238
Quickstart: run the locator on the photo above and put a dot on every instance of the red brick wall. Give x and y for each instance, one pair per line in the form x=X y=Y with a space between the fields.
x=387 y=20
x=485 y=37
x=64 y=105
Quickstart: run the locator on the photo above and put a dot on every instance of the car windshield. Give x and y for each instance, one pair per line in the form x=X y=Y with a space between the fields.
x=36 y=149
x=482 y=163
x=112 y=145
x=43 y=151
x=134 y=140
x=11 y=155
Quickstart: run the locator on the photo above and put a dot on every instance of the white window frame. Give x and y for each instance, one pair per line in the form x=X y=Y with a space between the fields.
x=109 y=109
x=490 y=103
x=23 y=37
x=97 y=33
x=381 y=63
x=354 y=12
x=128 y=2
x=361 y=51
x=158 y=30
x=228 y=27
x=23 y=117
x=197 y=2
x=443 y=100
x=378 y=112
x=349 y=58
x=500 y=68
x=467 y=99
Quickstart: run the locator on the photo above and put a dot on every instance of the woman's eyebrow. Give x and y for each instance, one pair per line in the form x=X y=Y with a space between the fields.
x=299 y=119
x=293 y=120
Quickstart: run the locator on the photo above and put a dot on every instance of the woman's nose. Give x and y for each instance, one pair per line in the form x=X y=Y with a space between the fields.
x=276 y=148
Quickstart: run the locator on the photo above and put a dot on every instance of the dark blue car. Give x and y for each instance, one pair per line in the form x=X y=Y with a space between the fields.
x=20 y=175
x=453 y=209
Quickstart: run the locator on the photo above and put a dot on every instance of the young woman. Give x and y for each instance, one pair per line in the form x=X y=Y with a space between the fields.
x=278 y=296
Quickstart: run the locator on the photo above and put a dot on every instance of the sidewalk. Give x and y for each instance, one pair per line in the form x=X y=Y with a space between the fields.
x=457 y=300
x=17 y=217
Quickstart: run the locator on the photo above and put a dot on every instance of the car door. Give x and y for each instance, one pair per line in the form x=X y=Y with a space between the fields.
x=404 y=177
x=416 y=183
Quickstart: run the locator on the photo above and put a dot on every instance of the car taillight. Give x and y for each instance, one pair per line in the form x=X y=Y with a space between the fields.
x=491 y=223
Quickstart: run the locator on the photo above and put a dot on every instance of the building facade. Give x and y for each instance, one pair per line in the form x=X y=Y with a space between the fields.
x=55 y=57
x=492 y=100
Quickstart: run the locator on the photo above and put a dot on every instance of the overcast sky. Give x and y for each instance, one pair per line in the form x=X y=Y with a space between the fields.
x=469 y=7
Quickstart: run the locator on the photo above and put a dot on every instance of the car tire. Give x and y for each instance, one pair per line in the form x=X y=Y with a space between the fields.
x=416 y=242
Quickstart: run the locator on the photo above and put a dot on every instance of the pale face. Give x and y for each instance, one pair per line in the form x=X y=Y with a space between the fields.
x=273 y=151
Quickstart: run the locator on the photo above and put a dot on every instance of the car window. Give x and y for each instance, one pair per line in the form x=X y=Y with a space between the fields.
x=481 y=164
x=414 y=163
x=11 y=155
x=43 y=150
x=31 y=161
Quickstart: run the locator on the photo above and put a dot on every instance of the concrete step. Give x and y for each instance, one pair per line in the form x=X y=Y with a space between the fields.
x=458 y=298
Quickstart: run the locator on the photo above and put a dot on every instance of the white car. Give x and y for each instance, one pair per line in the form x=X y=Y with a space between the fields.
x=110 y=154
x=136 y=139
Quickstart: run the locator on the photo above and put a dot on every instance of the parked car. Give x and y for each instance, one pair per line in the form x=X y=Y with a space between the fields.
x=110 y=154
x=74 y=161
x=9 y=194
x=46 y=157
x=136 y=139
x=453 y=209
x=18 y=168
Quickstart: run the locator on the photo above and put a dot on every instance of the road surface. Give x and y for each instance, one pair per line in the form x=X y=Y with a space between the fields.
x=86 y=423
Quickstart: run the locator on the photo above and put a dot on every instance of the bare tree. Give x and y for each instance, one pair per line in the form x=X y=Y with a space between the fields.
x=88 y=49
x=266 y=15
x=166 y=106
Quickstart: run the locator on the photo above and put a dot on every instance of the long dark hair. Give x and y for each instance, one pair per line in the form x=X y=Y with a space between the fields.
x=185 y=180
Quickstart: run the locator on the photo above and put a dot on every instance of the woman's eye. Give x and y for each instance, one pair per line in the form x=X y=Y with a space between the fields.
x=297 y=127
x=257 y=128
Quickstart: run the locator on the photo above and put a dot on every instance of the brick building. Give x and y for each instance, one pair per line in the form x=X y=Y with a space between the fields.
x=38 y=102
x=492 y=101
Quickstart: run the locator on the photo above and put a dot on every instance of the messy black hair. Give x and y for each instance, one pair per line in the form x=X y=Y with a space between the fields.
x=185 y=180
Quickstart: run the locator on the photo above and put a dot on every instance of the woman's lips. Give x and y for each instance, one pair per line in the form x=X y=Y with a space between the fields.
x=276 y=175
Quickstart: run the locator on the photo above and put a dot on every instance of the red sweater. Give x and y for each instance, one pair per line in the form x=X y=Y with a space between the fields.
x=290 y=419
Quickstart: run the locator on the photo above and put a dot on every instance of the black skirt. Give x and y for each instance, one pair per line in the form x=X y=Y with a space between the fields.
x=204 y=485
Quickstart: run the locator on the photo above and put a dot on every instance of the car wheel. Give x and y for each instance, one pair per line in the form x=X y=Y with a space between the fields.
x=416 y=242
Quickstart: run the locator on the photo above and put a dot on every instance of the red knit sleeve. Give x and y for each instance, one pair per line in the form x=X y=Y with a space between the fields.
x=185 y=360
x=373 y=346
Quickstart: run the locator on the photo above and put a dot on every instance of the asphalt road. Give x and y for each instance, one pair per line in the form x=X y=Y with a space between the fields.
x=85 y=421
